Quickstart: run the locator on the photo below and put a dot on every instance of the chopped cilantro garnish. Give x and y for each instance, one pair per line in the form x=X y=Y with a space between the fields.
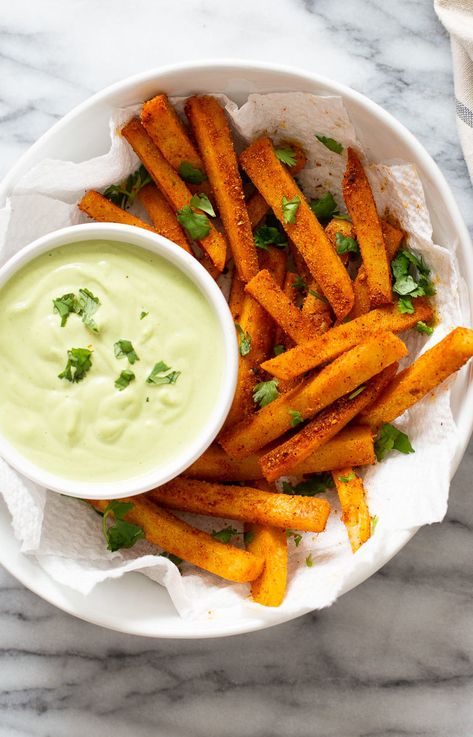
x=374 y=522
x=190 y=173
x=346 y=479
x=411 y=279
x=278 y=349
x=196 y=225
x=357 y=392
x=125 y=348
x=224 y=535
x=345 y=244
x=421 y=327
x=66 y=305
x=162 y=374
x=202 y=202
x=143 y=315
x=267 y=235
x=89 y=304
x=290 y=208
x=296 y=536
x=324 y=207
x=79 y=362
x=308 y=561
x=248 y=537
x=405 y=306
x=122 y=534
x=245 y=340
x=318 y=296
x=125 y=378
x=390 y=438
x=286 y=155
x=316 y=485
x=299 y=283
x=296 y=417
x=330 y=143
x=265 y=392
x=124 y=194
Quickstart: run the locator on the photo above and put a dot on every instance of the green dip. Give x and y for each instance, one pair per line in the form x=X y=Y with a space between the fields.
x=90 y=430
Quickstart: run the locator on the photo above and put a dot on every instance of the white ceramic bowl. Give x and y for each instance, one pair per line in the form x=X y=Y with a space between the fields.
x=211 y=424
x=134 y=604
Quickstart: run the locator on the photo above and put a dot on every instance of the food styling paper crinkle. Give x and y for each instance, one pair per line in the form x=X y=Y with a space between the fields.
x=404 y=492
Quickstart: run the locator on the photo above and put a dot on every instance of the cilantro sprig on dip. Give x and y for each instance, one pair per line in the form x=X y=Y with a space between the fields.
x=162 y=374
x=85 y=305
x=79 y=362
x=124 y=348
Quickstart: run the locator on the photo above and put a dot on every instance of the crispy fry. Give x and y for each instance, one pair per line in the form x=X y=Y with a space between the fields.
x=264 y=289
x=284 y=458
x=353 y=446
x=177 y=537
x=316 y=307
x=162 y=216
x=269 y=543
x=243 y=503
x=346 y=373
x=167 y=131
x=214 y=138
x=257 y=206
x=171 y=185
x=362 y=209
x=274 y=182
x=392 y=239
x=426 y=373
x=355 y=514
x=97 y=206
x=336 y=341
x=237 y=295
x=274 y=260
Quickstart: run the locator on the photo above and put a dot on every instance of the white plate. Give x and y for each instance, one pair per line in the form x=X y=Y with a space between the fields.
x=134 y=604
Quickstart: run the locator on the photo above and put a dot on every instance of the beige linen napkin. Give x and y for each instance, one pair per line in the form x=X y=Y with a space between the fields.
x=457 y=17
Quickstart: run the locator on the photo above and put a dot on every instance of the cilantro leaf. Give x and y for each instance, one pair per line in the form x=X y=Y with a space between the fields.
x=245 y=340
x=405 y=306
x=296 y=536
x=202 y=202
x=357 y=391
x=123 y=348
x=267 y=235
x=345 y=244
x=411 y=279
x=346 y=479
x=162 y=374
x=65 y=305
x=278 y=349
x=374 y=522
x=324 y=208
x=296 y=417
x=224 y=535
x=308 y=561
x=299 y=283
x=265 y=392
x=143 y=315
x=89 y=305
x=79 y=362
x=122 y=534
x=330 y=143
x=195 y=224
x=124 y=194
x=318 y=296
x=190 y=173
x=390 y=438
x=318 y=484
x=173 y=558
x=421 y=327
x=290 y=208
x=248 y=537
x=124 y=379
x=286 y=155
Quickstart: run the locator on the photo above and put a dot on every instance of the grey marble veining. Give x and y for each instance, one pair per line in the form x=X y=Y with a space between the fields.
x=393 y=658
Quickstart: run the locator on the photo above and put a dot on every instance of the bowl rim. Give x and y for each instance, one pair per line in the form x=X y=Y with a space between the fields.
x=222 y=398
x=30 y=574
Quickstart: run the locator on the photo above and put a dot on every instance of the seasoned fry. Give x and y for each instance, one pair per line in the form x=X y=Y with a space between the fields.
x=162 y=216
x=274 y=182
x=269 y=543
x=362 y=209
x=97 y=206
x=345 y=228
x=171 y=185
x=426 y=373
x=316 y=307
x=353 y=446
x=177 y=537
x=264 y=289
x=274 y=260
x=237 y=295
x=345 y=374
x=392 y=239
x=243 y=503
x=214 y=138
x=336 y=341
x=355 y=514
x=284 y=458
x=167 y=131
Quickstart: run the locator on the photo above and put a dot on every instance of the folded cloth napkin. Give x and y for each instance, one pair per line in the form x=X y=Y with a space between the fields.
x=457 y=17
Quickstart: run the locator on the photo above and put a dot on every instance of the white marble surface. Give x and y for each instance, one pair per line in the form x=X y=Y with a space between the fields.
x=392 y=658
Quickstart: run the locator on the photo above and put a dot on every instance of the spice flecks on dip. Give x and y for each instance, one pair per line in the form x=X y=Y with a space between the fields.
x=79 y=400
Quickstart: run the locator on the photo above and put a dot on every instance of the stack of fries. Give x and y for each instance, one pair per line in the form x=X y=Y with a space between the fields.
x=317 y=379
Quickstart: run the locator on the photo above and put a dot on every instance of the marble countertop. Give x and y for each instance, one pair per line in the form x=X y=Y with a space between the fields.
x=393 y=657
